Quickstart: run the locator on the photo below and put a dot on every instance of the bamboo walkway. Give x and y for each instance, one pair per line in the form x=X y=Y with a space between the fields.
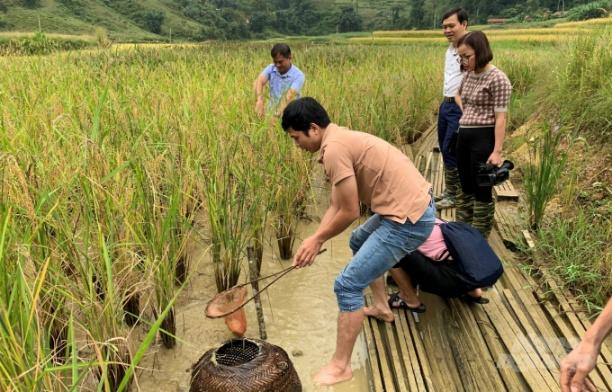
x=513 y=343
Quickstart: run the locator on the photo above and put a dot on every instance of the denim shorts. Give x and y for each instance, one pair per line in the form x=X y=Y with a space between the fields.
x=377 y=245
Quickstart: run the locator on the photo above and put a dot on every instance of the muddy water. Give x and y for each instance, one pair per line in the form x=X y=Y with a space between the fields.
x=300 y=312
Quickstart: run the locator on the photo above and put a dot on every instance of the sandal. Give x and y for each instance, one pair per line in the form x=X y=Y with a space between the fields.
x=474 y=300
x=396 y=302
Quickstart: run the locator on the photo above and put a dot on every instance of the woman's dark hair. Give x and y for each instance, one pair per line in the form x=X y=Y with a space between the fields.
x=299 y=114
x=478 y=41
x=282 y=49
x=462 y=15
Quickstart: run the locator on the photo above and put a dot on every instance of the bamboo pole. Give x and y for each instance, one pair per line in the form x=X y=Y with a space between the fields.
x=254 y=257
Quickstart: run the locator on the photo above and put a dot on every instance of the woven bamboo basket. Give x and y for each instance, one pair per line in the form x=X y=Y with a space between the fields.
x=245 y=365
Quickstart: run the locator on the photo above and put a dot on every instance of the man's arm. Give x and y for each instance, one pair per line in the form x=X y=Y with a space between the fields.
x=343 y=211
x=578 y=363
x=291 y=93
x=258 y=86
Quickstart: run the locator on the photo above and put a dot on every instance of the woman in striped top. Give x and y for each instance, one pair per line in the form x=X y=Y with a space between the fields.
x=483 y=97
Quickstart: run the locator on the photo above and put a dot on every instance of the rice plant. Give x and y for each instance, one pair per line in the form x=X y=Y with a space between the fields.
x=580 y=255
x=546 y=165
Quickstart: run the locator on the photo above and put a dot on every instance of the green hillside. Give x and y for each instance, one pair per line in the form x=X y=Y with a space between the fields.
x=159 y=20
x=84 y=16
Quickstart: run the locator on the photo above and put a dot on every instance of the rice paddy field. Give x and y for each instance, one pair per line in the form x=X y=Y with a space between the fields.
x=125 y=169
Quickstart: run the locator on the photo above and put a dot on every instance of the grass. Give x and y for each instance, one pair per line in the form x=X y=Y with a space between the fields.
x=590 y=23
x=39 y=43
x=542 y=174
x=575 y=96
x=577 y=249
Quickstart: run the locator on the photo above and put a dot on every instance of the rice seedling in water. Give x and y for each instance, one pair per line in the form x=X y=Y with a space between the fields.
x=160 y=192
x=23 y=337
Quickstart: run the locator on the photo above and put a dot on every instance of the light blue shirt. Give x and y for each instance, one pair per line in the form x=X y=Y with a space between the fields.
x=280 y=84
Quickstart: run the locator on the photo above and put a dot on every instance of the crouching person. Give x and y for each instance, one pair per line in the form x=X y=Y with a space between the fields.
x=435 y=270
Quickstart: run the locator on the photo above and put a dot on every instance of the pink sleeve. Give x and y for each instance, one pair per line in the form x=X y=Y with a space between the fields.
x=434 y=247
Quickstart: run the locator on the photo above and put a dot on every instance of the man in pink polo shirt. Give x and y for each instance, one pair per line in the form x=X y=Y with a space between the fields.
x=360 y=167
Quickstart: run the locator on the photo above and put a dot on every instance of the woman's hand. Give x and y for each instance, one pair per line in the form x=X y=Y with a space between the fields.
x=495 y=158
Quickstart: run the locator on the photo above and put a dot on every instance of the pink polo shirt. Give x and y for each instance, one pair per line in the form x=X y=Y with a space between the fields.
x=387 y=180
x=434 y=247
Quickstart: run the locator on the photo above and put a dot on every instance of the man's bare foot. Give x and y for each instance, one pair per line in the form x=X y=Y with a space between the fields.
x=381 y=314
x=332 y=374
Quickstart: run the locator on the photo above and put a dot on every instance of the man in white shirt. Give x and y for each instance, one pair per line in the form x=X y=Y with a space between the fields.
x=454 y=24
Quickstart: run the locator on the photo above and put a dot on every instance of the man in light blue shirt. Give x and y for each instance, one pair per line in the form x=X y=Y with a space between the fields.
x=286 y=81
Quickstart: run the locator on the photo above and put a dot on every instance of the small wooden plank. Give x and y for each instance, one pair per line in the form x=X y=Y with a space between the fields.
x=474 y=361
x=605 y=346
x=409 y=359
x=534 y=336
x=386 y=369
x=426 y=141
x=569 y=312
x=447 y=214
x=418 y=357
x=534 y=310
x=506 y=191
x=418 y=352
x=375 y=372
x=522 y=354
x=504 y=363
x=507 y=225
x=444 y=373
x=420 y=163
x=569 y=337
x=396 y=364
x=528 y=240
x=407 y=150
x=576 y=318
x=531 y=347
x=428 y=162
x=523 y=288
x=437 y=176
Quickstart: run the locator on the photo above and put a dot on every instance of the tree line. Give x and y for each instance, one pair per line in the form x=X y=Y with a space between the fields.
x=239 y=19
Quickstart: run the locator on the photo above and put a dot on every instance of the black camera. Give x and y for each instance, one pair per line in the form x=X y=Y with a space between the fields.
x=490 y=175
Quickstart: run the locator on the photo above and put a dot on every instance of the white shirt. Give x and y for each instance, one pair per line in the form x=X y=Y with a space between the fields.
x=452 y=72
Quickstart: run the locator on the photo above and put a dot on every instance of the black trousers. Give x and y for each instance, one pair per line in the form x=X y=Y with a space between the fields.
x=474 y=146
x=436 y=277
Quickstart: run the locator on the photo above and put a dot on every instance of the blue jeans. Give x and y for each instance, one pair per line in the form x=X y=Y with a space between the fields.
x=448 y=125
x=377 y=245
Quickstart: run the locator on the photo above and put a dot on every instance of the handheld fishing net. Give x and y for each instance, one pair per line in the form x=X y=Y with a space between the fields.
x=231 y=300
